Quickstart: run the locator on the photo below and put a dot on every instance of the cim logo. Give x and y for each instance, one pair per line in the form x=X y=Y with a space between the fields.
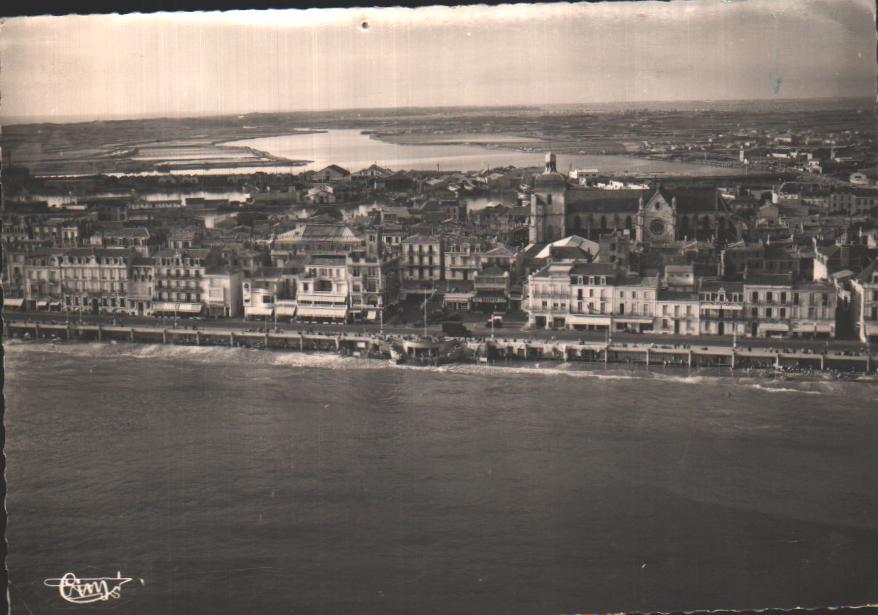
x=90 y=590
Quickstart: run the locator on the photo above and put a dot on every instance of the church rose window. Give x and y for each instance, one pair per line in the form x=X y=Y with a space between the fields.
x=656 y=227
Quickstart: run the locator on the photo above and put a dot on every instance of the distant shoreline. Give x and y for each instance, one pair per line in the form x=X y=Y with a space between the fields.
x=595 y=107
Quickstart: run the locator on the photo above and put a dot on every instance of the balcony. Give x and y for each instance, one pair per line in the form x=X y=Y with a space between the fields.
x=541 y=296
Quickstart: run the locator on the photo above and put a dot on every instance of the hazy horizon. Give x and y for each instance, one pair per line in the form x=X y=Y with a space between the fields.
x=85 y=119
x=68 y=69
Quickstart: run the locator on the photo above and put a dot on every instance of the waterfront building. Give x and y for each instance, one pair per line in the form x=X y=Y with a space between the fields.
x=458 y=295
x=374 y=279
x=491 y=287
x=721 y=308
x=635 y=297
x=864 y=303
x=141 y=286
x=422 y=259
x=42 y=279
x=548 y=297
x=95 y=279
x=270 y=291
x=323 y=290
x=179 y=278
x=767 y=303
x=814 y=310
x=678 y=312
x=591 y=296
x=592 y=290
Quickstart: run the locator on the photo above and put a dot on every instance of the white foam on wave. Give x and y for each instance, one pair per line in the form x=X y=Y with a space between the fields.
x=328 y=360
x=771 y=389
x=203 y=354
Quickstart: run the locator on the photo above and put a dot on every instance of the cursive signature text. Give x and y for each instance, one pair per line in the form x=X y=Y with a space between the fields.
x=83 y=591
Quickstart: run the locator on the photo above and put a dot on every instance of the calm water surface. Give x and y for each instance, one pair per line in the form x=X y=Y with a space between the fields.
x=353 y=150
x=234 y=481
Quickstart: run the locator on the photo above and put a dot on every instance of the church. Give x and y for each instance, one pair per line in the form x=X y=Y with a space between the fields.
x=559 y=209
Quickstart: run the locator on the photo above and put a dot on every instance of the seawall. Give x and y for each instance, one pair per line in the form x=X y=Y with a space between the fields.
x=469 y=350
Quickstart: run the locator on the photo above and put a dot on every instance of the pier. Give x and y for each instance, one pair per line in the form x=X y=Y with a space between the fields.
x=503 y=349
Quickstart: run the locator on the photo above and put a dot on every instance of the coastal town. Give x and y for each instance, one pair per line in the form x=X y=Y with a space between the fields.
x=787 y=253
x=526 y=309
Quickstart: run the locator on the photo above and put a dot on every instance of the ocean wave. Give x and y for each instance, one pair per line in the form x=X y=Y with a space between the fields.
x=202 y=354
x=771 y=389
x=327 y=360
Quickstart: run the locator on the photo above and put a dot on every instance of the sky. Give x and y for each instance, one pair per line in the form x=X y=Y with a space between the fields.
x=179 y=64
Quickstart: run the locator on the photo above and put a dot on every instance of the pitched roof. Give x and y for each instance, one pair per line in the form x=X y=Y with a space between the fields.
x=694 y=200
x=335 y=168
x=593 y=200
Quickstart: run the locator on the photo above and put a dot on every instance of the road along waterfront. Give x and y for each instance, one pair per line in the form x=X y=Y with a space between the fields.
x=403 y=345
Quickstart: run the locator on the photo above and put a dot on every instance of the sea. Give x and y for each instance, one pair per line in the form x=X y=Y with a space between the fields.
x=241 y=481
x=354 y=149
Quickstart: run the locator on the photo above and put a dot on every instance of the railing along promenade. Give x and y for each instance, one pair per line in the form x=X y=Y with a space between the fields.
x=480 y=349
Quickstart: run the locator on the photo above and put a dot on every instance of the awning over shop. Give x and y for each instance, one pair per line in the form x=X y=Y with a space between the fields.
x=258 y=311
x=603 y=321
x=13 y=301
x=636 y=320
x=42 y=303
x=811 y=327
x=54 y=304
x=322 y=311
x=180 y=308
x=285 y=310
x=371 y=315
x=774 y=326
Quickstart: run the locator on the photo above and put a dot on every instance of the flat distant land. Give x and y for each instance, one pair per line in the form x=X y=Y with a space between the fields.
x=138 y=145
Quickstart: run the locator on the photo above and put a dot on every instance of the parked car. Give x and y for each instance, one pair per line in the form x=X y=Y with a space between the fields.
x=495 y=320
